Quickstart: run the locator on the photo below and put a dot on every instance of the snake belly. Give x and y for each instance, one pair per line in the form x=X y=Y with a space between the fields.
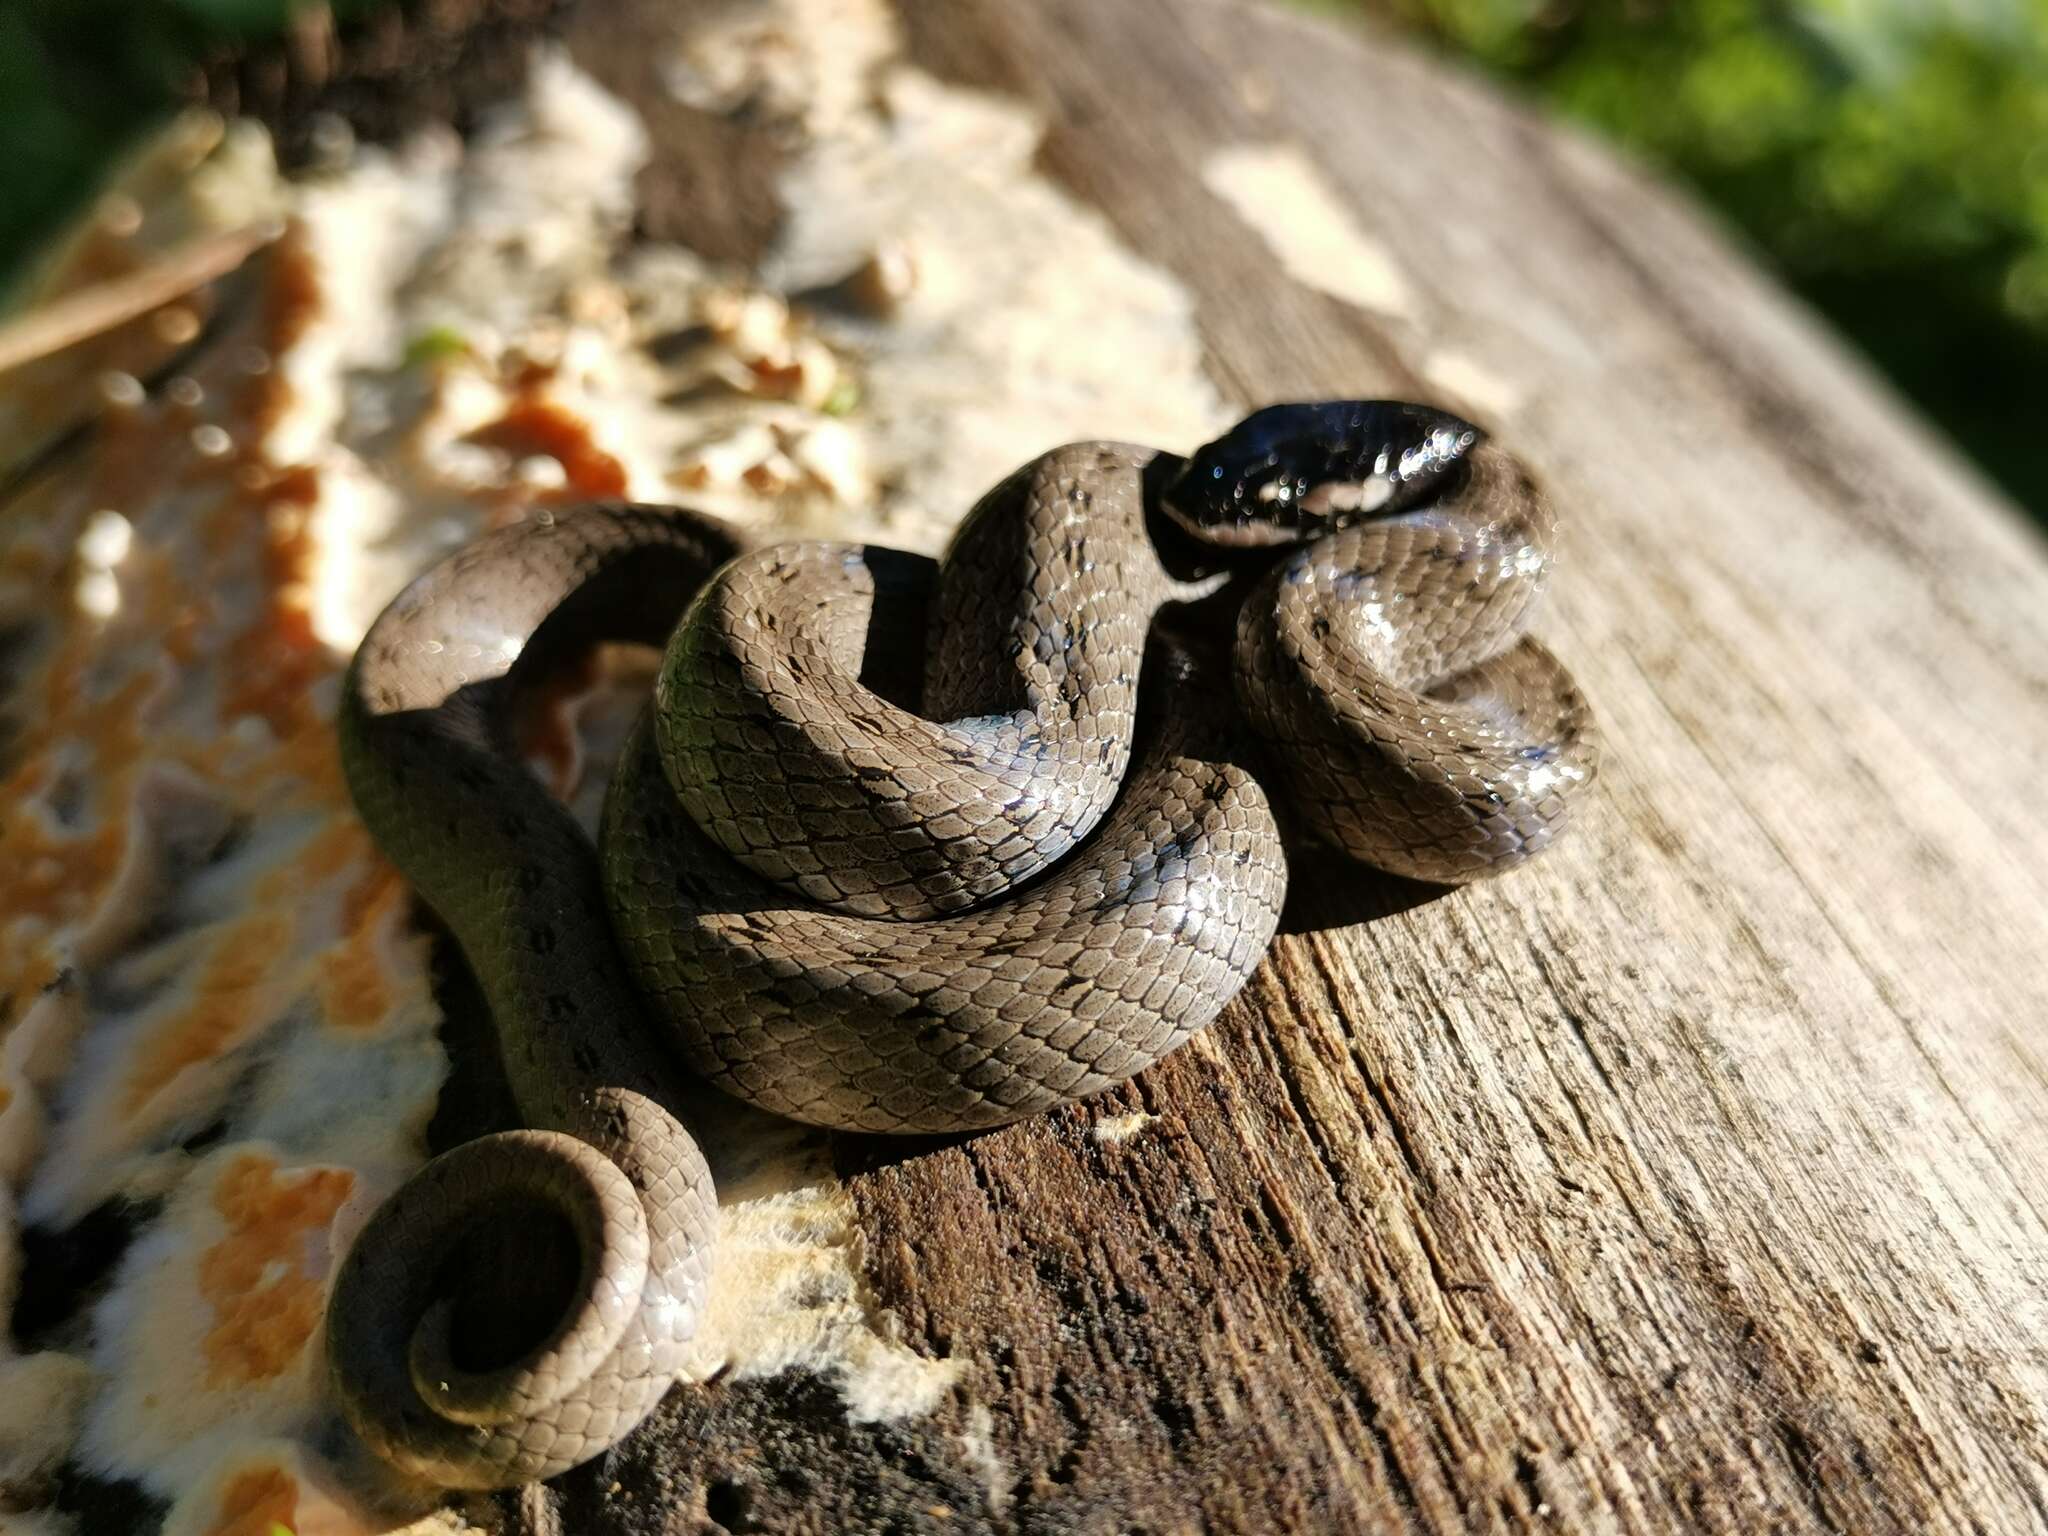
x=1047 y=874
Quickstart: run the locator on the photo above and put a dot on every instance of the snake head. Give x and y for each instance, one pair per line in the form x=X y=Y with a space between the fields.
x=1290 y=472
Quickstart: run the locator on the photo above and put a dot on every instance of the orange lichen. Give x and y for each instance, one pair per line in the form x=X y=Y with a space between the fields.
x=257 y=1503
x=131 y=456
x=272 y=665
x=309 y=760
x=28 y=964
x=58 y=876
x=292 y=300
x=526 y=373
x=373 y=893
x=223 y=1009
x=94 y=729
x=776 y=379
x=339 y=845
x=535 y=425
x=355 y=990
x=69 y=709
x=545 y=723
x=265 y=1303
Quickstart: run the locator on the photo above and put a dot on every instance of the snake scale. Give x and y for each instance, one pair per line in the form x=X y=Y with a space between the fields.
x=888 y=903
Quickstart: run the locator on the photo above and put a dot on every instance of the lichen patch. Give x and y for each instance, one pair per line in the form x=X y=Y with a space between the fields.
x=263 y=1277
x=204 y=1340
x=216 y=1010
x=1115 y=1128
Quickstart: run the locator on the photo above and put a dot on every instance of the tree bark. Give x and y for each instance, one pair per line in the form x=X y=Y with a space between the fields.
x=1685 y=1180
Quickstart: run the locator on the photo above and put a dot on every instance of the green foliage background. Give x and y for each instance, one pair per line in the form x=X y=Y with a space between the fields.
x=1889 y=156
x=79 y=79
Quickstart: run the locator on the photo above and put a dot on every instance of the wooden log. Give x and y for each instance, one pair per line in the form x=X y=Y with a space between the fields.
x=1684 y=1181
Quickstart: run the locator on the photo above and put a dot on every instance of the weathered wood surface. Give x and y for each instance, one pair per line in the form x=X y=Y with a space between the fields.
x=1687 y=1181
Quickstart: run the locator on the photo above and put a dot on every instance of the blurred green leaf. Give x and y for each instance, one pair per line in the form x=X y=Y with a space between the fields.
x=844 y=397
x=436 y=344
x=81 y=80
x=1891 y=155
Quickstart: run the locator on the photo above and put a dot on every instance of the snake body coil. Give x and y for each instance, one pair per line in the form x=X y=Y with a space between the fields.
x=1037 y=882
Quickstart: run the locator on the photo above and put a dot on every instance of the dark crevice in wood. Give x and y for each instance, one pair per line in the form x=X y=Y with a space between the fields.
x=403 y=67
x=63 y=1270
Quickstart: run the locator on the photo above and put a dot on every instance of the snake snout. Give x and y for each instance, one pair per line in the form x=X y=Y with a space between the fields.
x=1290 y=472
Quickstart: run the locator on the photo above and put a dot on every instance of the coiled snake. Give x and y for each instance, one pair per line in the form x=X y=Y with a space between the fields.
x=1036 y=883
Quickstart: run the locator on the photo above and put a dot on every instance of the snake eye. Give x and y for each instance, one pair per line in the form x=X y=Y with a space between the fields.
x=1290 y=471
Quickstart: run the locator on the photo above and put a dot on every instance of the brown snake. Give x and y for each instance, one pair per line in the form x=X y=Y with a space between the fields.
x=1036 y=883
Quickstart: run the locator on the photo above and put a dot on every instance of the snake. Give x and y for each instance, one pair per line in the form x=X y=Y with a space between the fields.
x=901 y=846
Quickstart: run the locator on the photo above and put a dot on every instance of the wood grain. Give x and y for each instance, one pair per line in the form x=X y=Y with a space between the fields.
x=1686 y=1181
